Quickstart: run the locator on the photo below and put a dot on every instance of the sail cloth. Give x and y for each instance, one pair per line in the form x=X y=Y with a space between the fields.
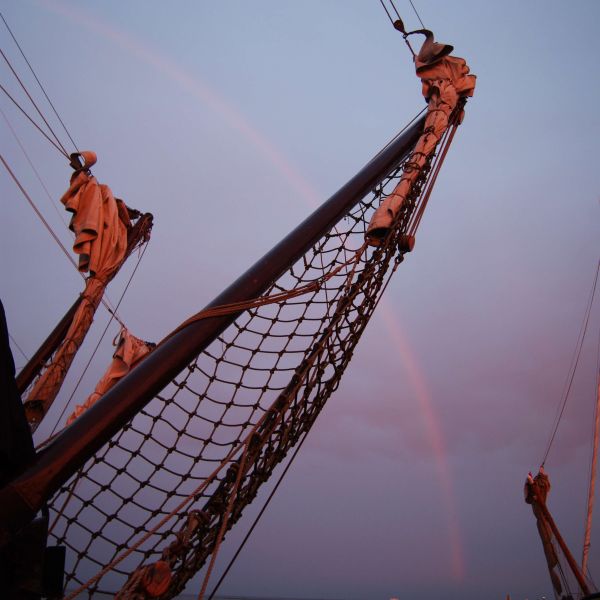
x=100 y=223
x=446 y=80
x=130 y=351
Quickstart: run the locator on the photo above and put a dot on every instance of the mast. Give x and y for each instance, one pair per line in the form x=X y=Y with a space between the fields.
x=536 y=492
x=591 y=491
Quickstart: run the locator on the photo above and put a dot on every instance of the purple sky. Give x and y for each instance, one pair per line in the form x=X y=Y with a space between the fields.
x=229 y=122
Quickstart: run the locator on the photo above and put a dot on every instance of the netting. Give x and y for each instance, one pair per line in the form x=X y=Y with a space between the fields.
x=178 y=476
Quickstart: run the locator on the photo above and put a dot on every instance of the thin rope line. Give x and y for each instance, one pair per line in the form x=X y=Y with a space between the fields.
x=107 y=304
x=592 y=467
x=39 y=82
x=33 y=122
x=416 y=13
x=38 y=213
x=12 y=339
x=225 y=520
x=39 y=178
x=392 y=22
x=258 y=517
x=112 y=316
x=575 y=363
x=395 y=9
x=33 y=102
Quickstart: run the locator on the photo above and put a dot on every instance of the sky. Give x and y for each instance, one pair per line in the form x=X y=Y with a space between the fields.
x=231 y=122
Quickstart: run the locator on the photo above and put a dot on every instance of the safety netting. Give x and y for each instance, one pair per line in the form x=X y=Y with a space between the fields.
x=150 y=508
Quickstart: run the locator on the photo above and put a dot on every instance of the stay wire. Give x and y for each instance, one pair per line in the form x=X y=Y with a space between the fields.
x=416 y=13
x=258 y=517
x=575 y=362
x=12 y=339
x=64 y=150
x=38 y=213
x=112 y=316
x=591 y=450
x=39 y=178
x=395 y=9
x=105 y=301
x=61 y=150
x=392 y=22
x=39 y=82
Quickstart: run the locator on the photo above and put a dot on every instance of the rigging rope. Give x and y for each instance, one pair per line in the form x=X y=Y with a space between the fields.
x=38 y=176
x=387 y=12
x=39 y=214
x=258 y=517
x=39 y=82
x=64 y=150
x=593 y=467
x=12 y=339
x=574 y=364
x=397 y=13
x=416 y=13
x=61 y=150
x=68 y=402
x=105 y=301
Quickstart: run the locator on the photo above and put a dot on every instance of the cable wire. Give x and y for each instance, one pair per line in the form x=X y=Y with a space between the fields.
x=39 y=82
x=416 y=13
x=33 y=102
x=395 y=9
x=258 y=517
x=12 y=339
x=38 y=213
x=574 y=364
x=39 y=178
x=62 y=151
x=107 y=304
x=112 y=316
x=391 y=21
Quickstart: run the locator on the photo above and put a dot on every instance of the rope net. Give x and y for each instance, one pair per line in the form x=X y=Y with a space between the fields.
x=156 y=501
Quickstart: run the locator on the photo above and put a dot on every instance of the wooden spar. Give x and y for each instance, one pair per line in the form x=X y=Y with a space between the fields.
x=591 y=491
x=32 y=369
x=68 y=452
x=56 y=371
x=563 y=546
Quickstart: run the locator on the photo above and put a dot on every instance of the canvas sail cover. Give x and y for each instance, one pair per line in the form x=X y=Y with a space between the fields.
x=445 y=80
x=100 y=223
x=130 y=351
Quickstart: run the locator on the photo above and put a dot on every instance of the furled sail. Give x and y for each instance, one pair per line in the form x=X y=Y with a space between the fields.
x=130 y=351
x=446 y=81
x=100 y=223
